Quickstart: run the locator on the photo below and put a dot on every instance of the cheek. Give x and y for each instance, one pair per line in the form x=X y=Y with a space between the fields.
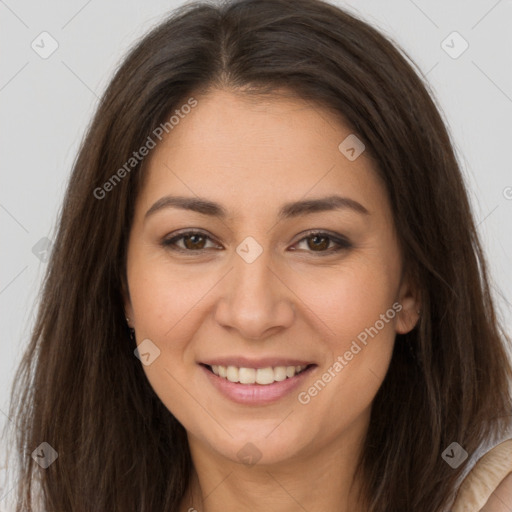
x=165 y=301
x=359 y=352
x=166 y=309
x=351 y=299
x=357 y=311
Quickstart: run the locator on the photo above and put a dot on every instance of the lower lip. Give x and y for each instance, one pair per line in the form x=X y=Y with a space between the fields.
x=256 y=394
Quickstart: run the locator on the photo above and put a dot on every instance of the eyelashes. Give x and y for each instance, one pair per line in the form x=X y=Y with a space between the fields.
x=317 y=242
x=188 y=236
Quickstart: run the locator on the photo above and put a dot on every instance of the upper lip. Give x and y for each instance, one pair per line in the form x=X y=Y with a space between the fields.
x=244 y=362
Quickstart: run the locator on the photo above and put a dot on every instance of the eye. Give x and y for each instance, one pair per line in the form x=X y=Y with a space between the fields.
x=319 y=241
x=193 y=241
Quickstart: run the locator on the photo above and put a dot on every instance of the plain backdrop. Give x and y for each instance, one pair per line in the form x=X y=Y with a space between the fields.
x=46 y=104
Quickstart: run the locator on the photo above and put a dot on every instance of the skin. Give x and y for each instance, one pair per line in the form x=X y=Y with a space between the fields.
x=501 y=499
x=251 y=156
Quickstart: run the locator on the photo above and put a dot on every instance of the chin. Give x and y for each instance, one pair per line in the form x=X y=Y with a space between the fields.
x=258 y=445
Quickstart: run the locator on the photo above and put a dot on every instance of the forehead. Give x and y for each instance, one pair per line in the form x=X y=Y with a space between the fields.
x=259 y=152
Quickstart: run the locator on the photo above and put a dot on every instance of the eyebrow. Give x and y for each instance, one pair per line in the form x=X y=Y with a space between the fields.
x=287 y=211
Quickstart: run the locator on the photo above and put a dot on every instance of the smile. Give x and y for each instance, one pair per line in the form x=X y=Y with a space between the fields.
x=263 y=385
x=262 y=376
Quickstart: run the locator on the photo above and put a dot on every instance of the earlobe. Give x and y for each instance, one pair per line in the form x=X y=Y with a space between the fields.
x=407 y=318
x=411 y=309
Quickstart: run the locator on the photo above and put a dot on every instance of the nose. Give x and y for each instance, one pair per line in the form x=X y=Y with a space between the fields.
x=255 y=299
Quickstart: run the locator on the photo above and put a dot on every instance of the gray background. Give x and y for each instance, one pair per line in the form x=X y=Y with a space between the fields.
x=46 y=105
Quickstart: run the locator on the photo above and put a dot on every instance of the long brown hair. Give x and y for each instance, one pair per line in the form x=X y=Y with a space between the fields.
x=79 y=386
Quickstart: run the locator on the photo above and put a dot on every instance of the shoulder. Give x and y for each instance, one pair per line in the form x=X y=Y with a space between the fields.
x=488 y=486
x=501 y=499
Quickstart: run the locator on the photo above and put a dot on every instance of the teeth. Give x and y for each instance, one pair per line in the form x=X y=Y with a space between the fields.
x=246 y=375
x=261 y=376
x=265 y=375
x=232 y=374
x=280 y=373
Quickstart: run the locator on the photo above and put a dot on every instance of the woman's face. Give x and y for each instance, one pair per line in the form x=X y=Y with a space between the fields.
x=256 y=293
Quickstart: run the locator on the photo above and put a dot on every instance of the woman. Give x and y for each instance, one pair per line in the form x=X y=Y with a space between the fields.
x=267 y=290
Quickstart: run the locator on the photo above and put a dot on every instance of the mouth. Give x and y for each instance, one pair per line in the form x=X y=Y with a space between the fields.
x=257 y=384
x=261 y=376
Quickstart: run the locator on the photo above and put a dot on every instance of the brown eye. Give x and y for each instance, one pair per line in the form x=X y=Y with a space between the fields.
x=318 y=242
x=325 y=243
x=191 y=241
x=194 y=241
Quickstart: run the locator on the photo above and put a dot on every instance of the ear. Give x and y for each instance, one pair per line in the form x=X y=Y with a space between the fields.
x=409 y=315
